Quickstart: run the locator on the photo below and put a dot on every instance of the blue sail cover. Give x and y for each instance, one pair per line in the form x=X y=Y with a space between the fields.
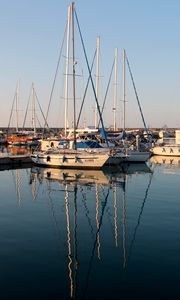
x=87 y=144
x=103 y=133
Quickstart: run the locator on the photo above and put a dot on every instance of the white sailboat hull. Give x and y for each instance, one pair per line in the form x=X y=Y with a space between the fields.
x=137 y=156
x=116 y=159
x=166 y=150
x=71 y=159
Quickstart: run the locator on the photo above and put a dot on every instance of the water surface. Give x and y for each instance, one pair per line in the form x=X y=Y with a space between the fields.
x=81 y=235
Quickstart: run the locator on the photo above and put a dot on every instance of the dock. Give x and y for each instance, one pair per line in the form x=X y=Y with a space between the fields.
x=14 y=159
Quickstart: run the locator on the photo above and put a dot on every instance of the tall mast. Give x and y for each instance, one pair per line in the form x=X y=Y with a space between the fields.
x=17 y=105
x=124 y=88
x=115 y=88
x=67 y=71
x=73 y=72
x=97 y=79
x=33 y=109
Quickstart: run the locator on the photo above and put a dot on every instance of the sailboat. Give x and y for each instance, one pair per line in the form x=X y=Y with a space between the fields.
x=165 y=149
x=17 y=138
x=133 y=153
x=73 y=158
x=22 y=137
x=70 y=158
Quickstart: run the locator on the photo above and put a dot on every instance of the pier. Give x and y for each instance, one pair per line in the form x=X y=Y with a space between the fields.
x=17 y=160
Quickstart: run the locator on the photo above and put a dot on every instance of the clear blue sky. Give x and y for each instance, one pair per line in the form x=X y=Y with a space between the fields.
x=31 y=33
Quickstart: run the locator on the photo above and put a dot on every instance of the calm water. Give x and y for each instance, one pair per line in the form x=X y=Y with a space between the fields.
x=83 y=235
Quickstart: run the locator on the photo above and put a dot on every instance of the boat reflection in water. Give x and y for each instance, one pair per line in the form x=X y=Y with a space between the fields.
x=165 y=160
x=106 y=176
x=169 y=164
x=71 y=175
x=93 y=216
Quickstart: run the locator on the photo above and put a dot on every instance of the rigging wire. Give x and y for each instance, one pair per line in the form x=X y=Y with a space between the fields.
x=27 y=108
x=55 y=76
x=89 y=70
x=85 y=92
x=41 y=110
x=137 y=98
x=107 y=89
x=15 y=95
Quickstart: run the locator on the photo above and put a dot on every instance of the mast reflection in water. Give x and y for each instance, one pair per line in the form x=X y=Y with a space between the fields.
x=72 y=234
